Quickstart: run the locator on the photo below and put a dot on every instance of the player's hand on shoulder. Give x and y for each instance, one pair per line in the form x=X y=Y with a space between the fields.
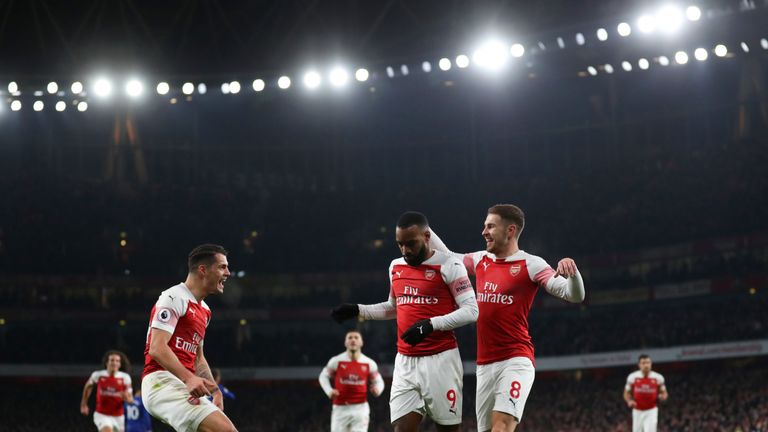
x=334 y=394
x=345 y=311
x=566 y=268
x=84 y=409
x=417 y=332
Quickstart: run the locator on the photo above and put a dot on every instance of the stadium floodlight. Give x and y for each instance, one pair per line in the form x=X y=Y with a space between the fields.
x=491 y=55
x=744 y=47
x=339 y=77
x=517 y=50
x=608 y=68
x=15 y=105
x=362 y=75
x=542 y=46
x=627 y=66
x=444 y=64
x=602 y=34
x=38 y=106
x=163 y=88
x=592 y=71
x=284 y=82
x=681 y=57
x=134 y=88
x=102 y=88
x=234 y=87
x=76 y=87
x=663 y=60
x=693 y=13
x=721 y=50
x=764 y=43
x=390 y=72
x=643 y=64
x=13 y=87
x=669 y=19
x=560 y=43
x=52 y=87
x=580 y=40
x=404 y=70
x=61 y=106
x=202 y=88
x=188 y=88
x=224 y=88
x=82 y=106
x=624 y=29
x=258 y=85
x=426 y=67
x=312 y=80
x=38 y=93
x=462 y=61
x=701 y=54
x=646 y=24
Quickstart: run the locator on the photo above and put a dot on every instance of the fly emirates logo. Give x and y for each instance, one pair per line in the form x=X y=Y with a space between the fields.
x=490 y=294
x=411 y=296
x=352 y=379
x=187 y=346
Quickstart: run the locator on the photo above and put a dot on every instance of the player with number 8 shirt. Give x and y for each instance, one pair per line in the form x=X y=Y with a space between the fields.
x=507 y=280
x=430 y=295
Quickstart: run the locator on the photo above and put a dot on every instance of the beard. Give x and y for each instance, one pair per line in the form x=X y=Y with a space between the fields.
x=418 y=258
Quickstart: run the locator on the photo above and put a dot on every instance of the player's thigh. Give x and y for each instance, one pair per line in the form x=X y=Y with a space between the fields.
x=360 y=417
x=637 y=420
x=408 y=423
x=514 y=381
x=443 y=390
x=405 y=394
x=650 y=422
x=216 y=421
x=503 y=422
x=485 y=396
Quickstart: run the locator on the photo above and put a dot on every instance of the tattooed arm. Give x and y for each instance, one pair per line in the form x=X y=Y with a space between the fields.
x=204 y=371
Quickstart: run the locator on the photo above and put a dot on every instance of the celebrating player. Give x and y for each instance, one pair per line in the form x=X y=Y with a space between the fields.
x=644 y=387
x=507 y=279
x=176 y=375
x=113 y=387
x=351 y=371
x=430 y=295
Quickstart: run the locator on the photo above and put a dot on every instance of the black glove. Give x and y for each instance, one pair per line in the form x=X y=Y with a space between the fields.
x=344 y=312
x=418 y=332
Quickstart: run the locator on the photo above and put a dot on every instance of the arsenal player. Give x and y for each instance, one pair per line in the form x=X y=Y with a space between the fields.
x=176 y=375
x=507 y=280
x=430 y=295
x=351 y=373
x=113 y=387
x=644 y=387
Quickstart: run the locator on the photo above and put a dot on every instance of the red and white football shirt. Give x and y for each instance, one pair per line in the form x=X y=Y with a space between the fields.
x=645 y=389
x=178 y=312
x=505 y=292
x=109 y=391
x=425 y=291
x=351 y=378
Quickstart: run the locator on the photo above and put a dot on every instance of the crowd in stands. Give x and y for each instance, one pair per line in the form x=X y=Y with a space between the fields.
x=294 y=342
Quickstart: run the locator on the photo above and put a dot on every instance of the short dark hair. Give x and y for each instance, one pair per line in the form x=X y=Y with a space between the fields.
x=643 y=356
x=411 y=218
x=204 y=254
x=125 y=364
x=510 y=214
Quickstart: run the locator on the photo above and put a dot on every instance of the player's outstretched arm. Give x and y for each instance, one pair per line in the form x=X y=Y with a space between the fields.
x=565 y=282
x=161 y=353
x=87 y=389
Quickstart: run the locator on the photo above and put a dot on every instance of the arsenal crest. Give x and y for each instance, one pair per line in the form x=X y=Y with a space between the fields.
x=430 y=274
x=514 y=269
